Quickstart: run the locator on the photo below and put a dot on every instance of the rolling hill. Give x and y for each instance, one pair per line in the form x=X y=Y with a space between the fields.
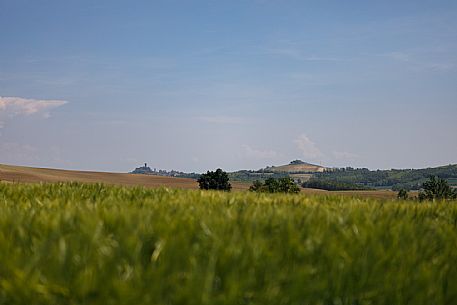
x=23 y=174
x=11 y=173
x=298 y=170
x=296 y=166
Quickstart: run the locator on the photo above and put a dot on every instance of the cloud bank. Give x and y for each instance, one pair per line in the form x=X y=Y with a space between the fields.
x=11 y=107
x=14 y=106
x=259 y=154
x=307 y=147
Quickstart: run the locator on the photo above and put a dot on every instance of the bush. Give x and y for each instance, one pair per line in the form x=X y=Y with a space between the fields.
x=218 y=180
x=271 y=185
x=332 y=185
x=436 y=189
x=403 y=194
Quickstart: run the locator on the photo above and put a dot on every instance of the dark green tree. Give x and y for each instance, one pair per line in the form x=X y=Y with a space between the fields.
x=218 y=180
x=332 y=185
x=272 y=185
x=403 y=194
x=436 y=189
x=287 y=185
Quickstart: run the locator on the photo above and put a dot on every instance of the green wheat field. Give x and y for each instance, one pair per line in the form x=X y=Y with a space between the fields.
x=94 y=244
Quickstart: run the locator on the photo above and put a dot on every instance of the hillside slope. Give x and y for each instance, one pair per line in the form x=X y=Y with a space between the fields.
x=22 y=174
x=10 y=173
x=35 y=175
x=296 y=166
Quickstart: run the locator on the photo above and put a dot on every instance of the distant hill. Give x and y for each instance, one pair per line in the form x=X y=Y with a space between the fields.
x=296 y=166
x=11 y=173
x=297 y=169
x=363 y=178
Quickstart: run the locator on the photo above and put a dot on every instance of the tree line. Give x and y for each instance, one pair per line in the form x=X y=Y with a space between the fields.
x=396 y=179
x=435 y=188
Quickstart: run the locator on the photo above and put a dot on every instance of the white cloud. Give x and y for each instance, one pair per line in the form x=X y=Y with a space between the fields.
x=14 y=106
x=259 y=154
x=307 y=147
x=11 y=107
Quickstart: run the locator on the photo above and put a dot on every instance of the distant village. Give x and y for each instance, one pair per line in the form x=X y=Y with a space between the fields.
x=146 y=170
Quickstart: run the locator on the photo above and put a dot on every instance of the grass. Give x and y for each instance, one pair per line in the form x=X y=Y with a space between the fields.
x=93 y=244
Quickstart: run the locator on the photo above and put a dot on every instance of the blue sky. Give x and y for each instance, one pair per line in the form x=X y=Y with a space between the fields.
x=195 y=85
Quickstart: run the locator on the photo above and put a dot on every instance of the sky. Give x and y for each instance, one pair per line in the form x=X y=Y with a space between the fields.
x=195 y=85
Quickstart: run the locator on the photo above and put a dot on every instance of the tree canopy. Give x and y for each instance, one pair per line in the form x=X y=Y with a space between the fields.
x=403 y=194
x=333 y=185
x=437 y=189
x=217 y=180
x=271 y=185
